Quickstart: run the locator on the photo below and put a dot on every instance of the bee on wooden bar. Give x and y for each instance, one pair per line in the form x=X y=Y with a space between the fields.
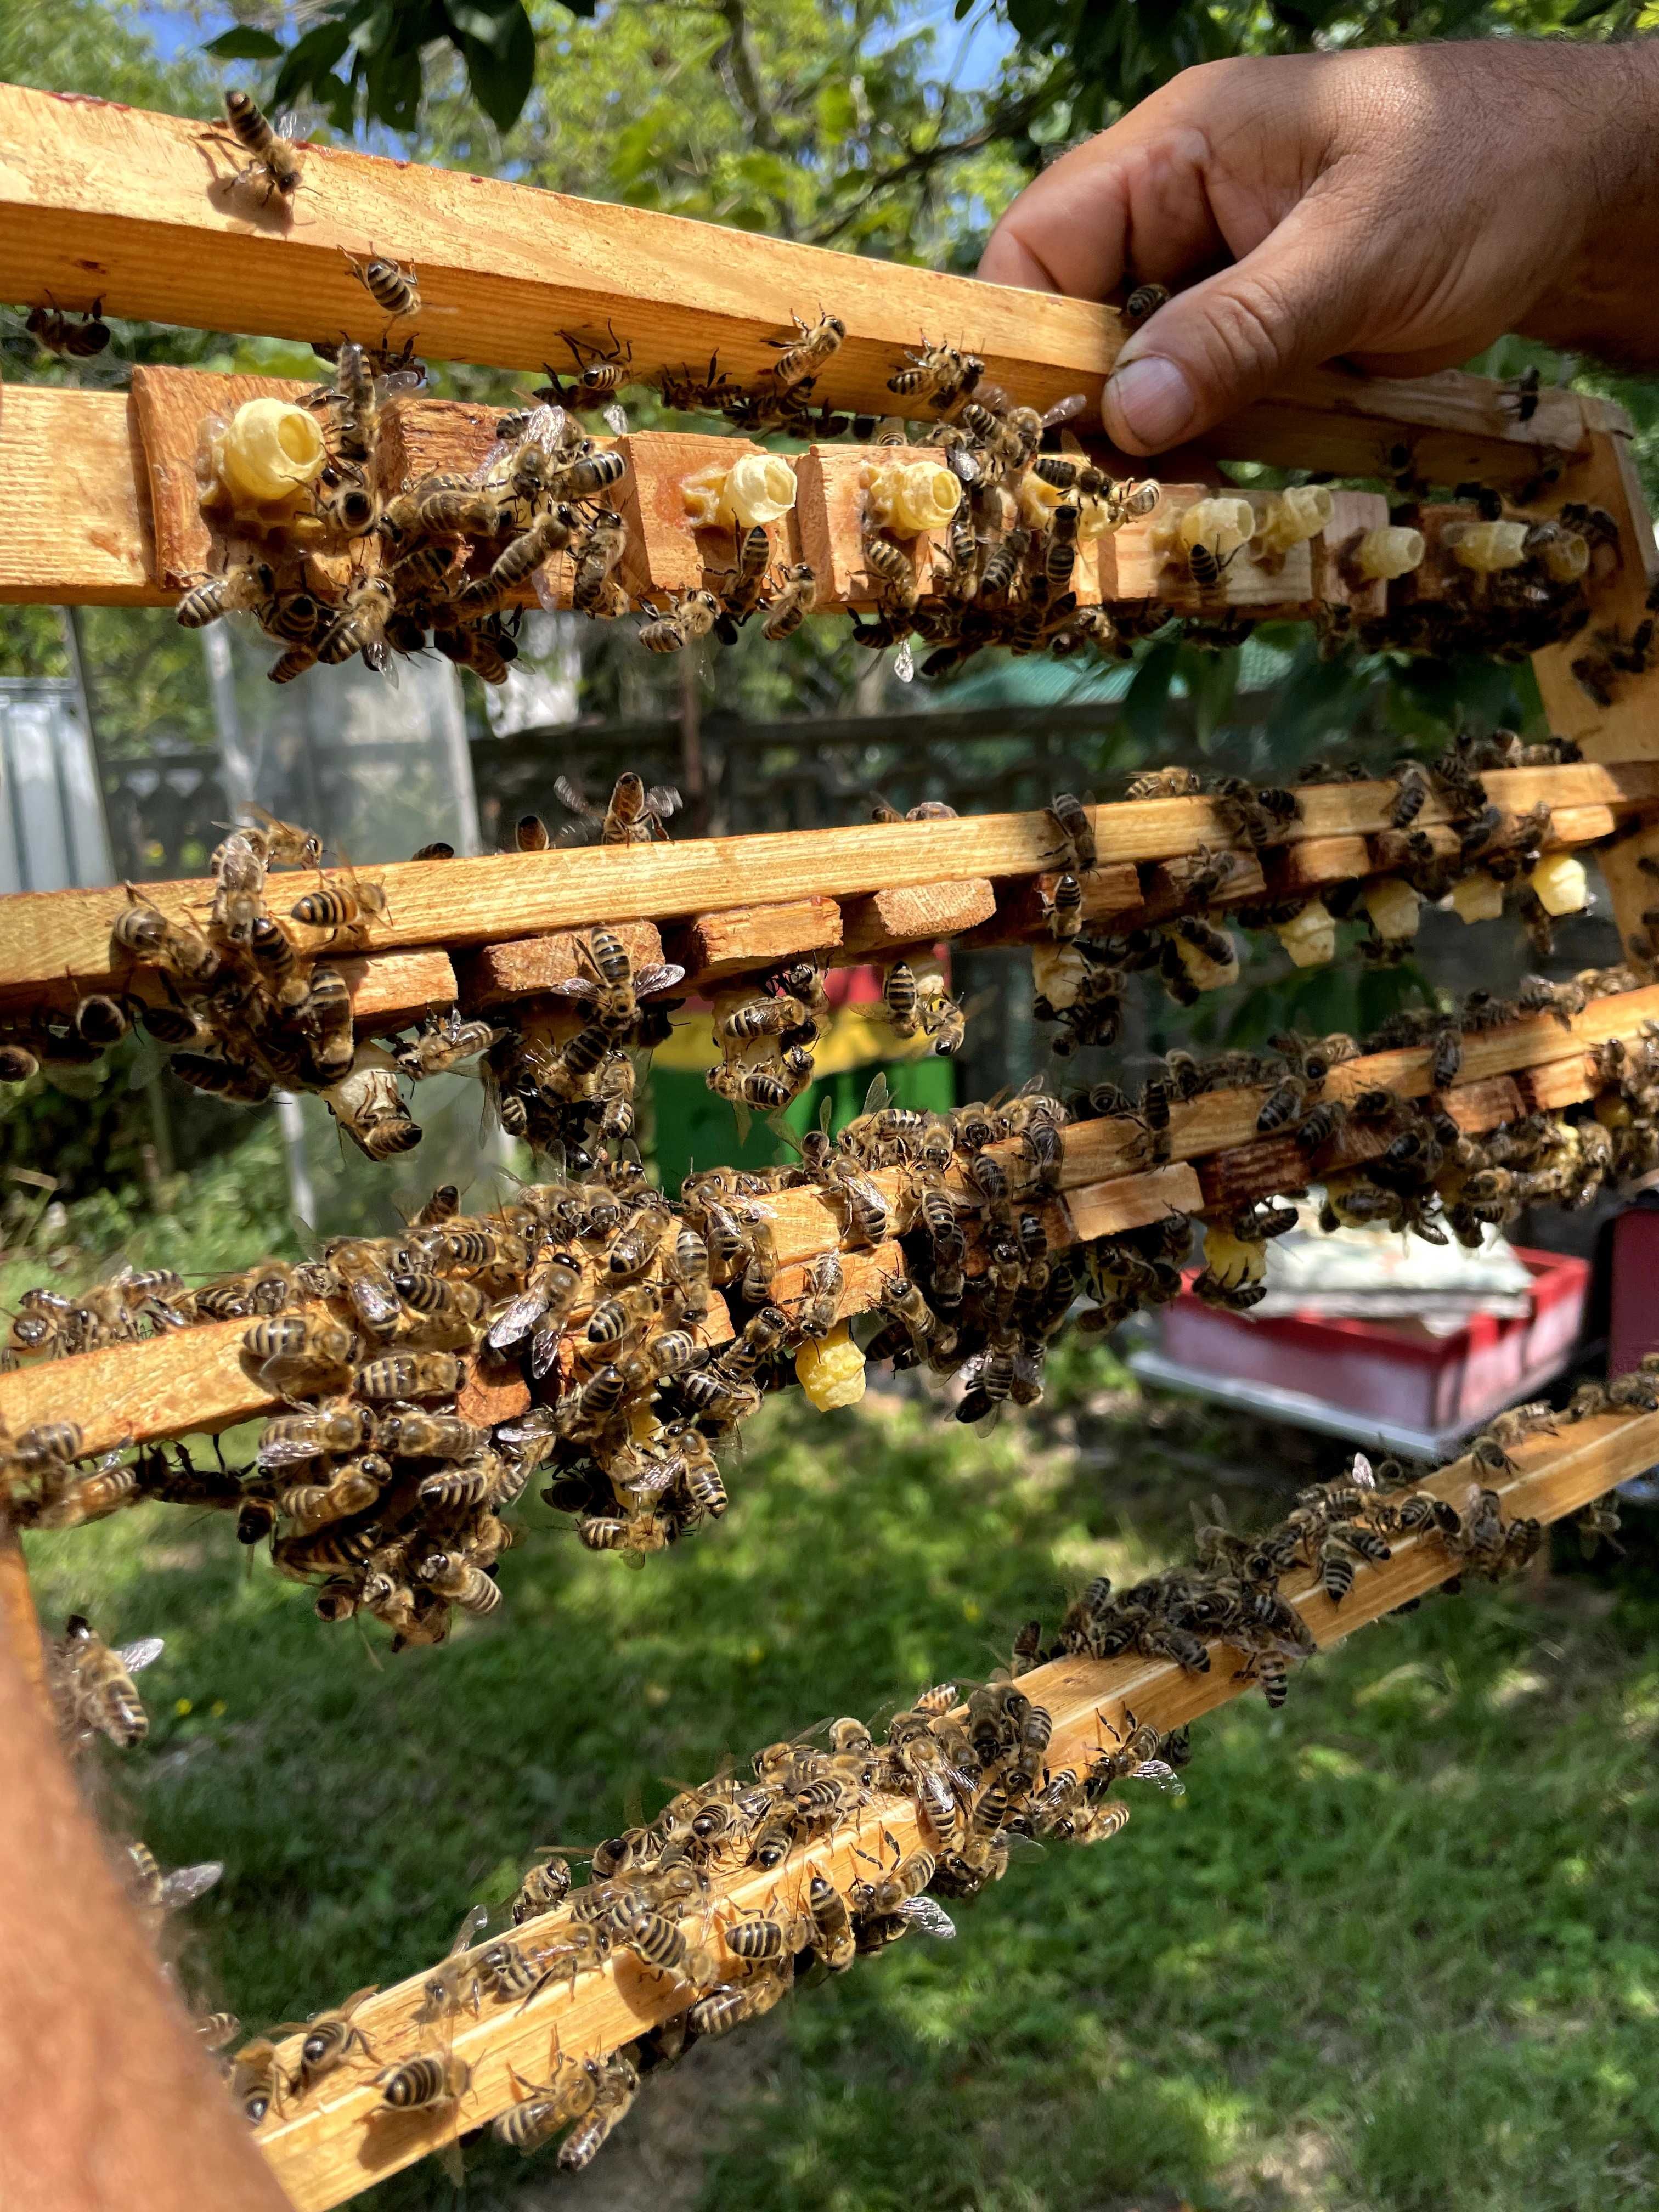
x=270 y=149
x=393 y=287
x=635 y=816
x=801 y=358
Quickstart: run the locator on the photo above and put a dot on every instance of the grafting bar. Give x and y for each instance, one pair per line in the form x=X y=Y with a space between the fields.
x=98 y=200
x=462 y=903
x=328 y=2150
x=1108 y=1181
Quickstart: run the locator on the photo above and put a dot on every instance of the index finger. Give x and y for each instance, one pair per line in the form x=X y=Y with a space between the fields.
x=1135 y=198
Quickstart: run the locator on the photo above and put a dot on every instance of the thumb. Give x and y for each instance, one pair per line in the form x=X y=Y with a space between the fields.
x=1300 y=298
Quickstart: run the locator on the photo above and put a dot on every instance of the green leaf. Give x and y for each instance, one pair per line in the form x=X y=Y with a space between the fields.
x=502 y=75
x=491 y=22
x=311 y=60
x=1586 y=12
x=1144 y=700
x=392 y=87
x=243 y=43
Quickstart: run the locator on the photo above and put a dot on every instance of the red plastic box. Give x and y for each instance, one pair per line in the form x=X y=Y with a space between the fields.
x=1393 y=1371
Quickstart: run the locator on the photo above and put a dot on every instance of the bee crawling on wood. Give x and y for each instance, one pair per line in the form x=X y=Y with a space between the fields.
x=271 y=150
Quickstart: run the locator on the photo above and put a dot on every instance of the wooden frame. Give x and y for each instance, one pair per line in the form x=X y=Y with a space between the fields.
x=48 y=937
x=326 y=2151
x=96 y=506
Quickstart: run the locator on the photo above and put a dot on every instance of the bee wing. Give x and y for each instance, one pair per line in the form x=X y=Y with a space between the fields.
x=648 y=982
x=616 y=420
x=662 y=800
x=928 y=1917
x=1065 y=411
x=475 y=1916
x=399 y=380
x=284 y=1451
x=876 y=1098
x=519 y=1318
x=1160 y=1771
x=135 y=1657
x=377 y=1307
x=1363 y=1477
x=184 y=1885
x=574 y=987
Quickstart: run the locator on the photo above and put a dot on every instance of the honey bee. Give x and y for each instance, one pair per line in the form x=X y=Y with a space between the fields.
x=336 y=1431
x=635 y=816
x=547 y=2107
x=256 y=2080
x=271 y=150
x=360 y=624
x=801 y=357
x=144 y=932
x=331 y=2037
x=393 y=287
x=444 y=1043
x=98 y=1689
x=549 y=534
x=461 y=1582
x=691 y=615
x=615 y=2082
x=891 y=566
x=900 y=997
x=71 y=337
x=296 y=1352
x=409 y=1375
x=789 y=605
x=241 y=590
x=367 y=1102
x=343 y=904
x=1144 y=302
x=421 y=2085
x=939 y=373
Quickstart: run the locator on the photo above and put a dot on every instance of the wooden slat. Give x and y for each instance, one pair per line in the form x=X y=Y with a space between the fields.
x=918 y=916
x=1629 y=728
x=522 y=967
x=97 y=199
x=734 y=939
x=192 y=1379
x=322 y=2150
x=464 y=903
x=74 y=512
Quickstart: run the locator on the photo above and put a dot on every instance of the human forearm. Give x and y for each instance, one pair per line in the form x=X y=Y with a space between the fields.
x=108 y=2102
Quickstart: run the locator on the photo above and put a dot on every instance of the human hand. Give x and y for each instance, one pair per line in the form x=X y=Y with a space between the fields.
x=1400 y=207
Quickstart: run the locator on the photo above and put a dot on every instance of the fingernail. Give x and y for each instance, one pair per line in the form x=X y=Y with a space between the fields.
x=1148 y=403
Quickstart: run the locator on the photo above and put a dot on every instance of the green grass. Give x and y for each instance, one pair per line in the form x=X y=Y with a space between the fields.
x=1395 y=1948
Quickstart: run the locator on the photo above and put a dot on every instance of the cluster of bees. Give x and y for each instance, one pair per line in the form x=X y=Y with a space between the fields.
x=969 y=1762
x=246 y=1000
x=1231 y=1593
x=358 y=572
x=591 y=1302
x=1080 y=981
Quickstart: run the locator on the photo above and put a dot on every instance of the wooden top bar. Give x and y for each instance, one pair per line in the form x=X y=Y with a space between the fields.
x=100 y=200
x=192 y=1379
x=323 y=2153
x=464 y=902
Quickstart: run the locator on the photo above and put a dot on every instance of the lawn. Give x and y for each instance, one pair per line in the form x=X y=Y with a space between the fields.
x=1396 y=1948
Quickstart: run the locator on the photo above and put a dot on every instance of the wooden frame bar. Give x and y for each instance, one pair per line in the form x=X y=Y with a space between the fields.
x=461 y=904
x=326 y=2151
x=1109 y=1180
x=98 y=199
